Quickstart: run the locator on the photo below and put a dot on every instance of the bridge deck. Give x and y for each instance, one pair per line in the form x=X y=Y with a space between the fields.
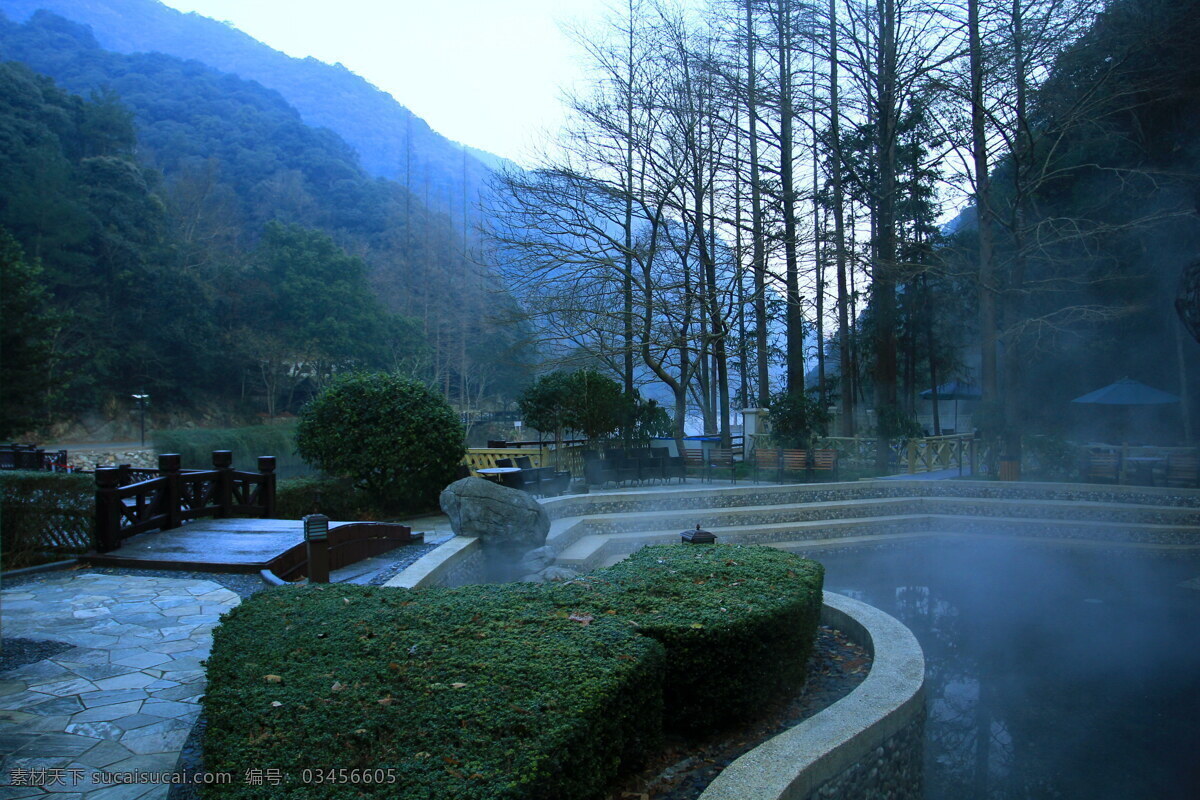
x=208 y=545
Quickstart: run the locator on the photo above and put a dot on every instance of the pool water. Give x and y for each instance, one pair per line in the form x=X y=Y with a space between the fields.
x=1051 y=672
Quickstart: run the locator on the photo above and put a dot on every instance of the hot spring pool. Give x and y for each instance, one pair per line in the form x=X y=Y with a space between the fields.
x=1052 y=672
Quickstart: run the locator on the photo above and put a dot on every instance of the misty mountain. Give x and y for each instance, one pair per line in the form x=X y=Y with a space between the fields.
x=143 y=182
x=391 y=141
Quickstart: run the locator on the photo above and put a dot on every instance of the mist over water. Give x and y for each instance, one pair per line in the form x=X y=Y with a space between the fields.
x=1051 y=672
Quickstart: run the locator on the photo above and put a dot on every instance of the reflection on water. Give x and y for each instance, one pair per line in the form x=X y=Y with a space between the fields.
x=1051 y=672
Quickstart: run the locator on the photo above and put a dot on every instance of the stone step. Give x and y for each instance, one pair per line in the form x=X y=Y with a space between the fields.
x=693 y=498
x=566 y=531
x=592 y=550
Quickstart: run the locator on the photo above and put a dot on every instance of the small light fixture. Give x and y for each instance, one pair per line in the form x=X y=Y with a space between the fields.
x=698 y=536
x=316 y=528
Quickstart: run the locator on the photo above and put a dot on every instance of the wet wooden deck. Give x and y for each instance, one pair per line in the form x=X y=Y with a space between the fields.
x=208 y=545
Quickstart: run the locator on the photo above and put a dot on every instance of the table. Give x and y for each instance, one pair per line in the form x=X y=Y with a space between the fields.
x=494 y=473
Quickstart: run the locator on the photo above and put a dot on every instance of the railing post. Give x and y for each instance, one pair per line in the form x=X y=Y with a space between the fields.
x=108 y=510
x=912 y=457
x=168 y=469
x=266 y=466
x=222 y=461
x=123 y=476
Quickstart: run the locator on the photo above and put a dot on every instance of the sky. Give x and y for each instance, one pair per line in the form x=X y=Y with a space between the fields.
x=487 y=73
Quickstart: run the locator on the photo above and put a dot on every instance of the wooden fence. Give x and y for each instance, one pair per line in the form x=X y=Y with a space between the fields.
x=570 y=458
x=169 y=496
x=30 y=457
x=911 y=456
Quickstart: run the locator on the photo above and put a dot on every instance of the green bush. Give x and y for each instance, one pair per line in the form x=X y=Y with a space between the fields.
x=737 y=621
x=44 y=515
x=473 y=693
x=195 y=446
x=503 y=691
x=1048 y=458
x=395 y=438
x=796 y=418
x=336 y=498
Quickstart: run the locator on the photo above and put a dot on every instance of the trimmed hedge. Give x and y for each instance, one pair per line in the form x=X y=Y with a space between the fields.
x=336 y=498
x=195 y=446
x=473 y=693
x=503 y=691
x=43 y=515
x=738 y=623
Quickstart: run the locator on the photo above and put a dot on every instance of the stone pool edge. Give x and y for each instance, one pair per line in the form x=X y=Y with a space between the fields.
x=869 y=743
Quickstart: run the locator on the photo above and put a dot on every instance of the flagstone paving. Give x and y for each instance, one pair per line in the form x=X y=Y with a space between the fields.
x=122 y=700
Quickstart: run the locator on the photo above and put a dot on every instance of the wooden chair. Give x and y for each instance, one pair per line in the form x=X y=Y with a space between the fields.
x=825 y=463
x=524 y=463
x=767 y=458
x=1103 y=468
x=652 y=464
x=1183 y=470
x=693 y=458
x=597 y=471
x=673 y=466
x=792 y=461
x=720 y=458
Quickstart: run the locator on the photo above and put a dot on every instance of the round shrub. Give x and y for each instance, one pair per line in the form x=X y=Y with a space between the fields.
x=395 y=438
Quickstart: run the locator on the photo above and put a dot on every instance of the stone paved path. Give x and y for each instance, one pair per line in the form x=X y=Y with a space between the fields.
x=122 y=700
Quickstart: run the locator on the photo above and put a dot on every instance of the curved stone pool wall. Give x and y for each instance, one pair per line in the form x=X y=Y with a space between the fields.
x=868 y=744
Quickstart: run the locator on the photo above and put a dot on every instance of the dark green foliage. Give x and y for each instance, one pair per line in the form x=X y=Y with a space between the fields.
x=44 y=515
x=508 y=691
x=737 y=622
x=1049 y=458
x=796 y=418
x=594 y=403
x=161 y=267
x=336 y=498
x=195 y=447
x=644 y=420
x=545 y=403
x=27 y=330
x=584 y=400
x=478 y=693
x=393 y=436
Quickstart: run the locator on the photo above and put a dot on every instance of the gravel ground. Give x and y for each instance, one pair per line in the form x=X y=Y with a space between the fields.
x=16 y=652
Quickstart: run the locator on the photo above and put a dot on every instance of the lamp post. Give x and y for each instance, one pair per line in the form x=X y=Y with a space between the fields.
x=316 y=536
x=142 y=399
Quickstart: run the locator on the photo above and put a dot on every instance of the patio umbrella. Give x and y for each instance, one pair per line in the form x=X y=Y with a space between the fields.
x=954 y=390
x=1128 y=392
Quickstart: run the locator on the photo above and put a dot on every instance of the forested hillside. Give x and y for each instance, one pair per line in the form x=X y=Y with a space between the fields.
x=391 y=141
x=198 y=241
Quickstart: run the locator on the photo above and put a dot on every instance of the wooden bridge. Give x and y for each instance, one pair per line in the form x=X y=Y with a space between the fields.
x=217 y=520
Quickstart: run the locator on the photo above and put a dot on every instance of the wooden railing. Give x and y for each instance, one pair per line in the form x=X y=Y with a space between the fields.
x=30 y=457
x=935 y=453
x=926 y=454
x=169 y=496
x=570 y=458
x=346 y=545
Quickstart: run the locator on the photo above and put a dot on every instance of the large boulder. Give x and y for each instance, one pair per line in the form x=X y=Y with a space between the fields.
x=500 y=517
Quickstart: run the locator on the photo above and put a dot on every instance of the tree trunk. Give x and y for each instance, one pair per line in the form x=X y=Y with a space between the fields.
x=794 y=313
x=845 y=357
